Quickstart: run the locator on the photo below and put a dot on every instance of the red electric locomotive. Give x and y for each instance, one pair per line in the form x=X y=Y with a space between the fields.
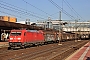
x=22 y=38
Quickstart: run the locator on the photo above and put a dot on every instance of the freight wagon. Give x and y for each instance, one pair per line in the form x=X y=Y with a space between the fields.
x=68 y=36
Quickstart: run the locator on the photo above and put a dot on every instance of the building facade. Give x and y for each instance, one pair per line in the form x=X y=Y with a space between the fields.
x=65 y=25
x=8 y=18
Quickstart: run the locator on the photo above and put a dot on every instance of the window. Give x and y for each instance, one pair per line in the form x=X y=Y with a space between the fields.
x=15 y=33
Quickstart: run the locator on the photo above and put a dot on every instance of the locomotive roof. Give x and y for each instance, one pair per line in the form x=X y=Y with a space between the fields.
x=27 y=30
x=32 y=31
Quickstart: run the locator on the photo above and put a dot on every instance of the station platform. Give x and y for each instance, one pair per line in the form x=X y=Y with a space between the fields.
x=3 y=44
x=81 y=54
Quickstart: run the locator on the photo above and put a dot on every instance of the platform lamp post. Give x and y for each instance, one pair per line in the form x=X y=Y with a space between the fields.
x=45 y=23
x=60 y=33
x=60 y=30
x=76 y=30
x=80 y=33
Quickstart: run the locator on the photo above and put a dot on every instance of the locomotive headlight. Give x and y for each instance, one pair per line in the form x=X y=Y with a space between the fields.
x=11 y=38
x=19 y=38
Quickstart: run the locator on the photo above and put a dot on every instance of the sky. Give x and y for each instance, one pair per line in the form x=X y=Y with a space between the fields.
x=40 y=10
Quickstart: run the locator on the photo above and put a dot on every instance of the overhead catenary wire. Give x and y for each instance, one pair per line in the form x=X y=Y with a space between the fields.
x=11 y=14
x=37 y=8
x=57 y=6
x=72 y=9
x=69 y=7
x=76 y=13
x=20 y=10
x=10 y=9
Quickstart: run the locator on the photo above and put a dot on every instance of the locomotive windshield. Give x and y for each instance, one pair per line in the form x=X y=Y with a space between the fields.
x=15 y=33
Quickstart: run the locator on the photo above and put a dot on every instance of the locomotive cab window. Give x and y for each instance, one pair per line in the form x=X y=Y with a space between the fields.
x=15 y=33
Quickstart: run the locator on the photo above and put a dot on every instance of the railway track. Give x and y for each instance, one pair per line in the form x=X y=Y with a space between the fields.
x=69 y=51
x=46 y=52
x=48 y=55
